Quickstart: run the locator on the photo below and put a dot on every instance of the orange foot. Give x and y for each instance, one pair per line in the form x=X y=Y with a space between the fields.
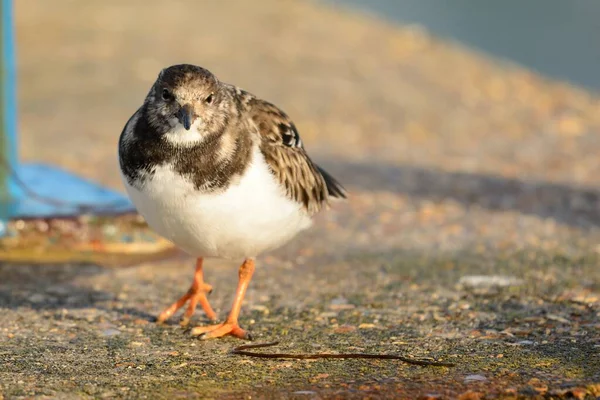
x=196 y=295
x=231 y=326
x=220 y=330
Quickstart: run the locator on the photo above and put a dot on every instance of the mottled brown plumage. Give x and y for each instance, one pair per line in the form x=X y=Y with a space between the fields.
x=221 y=173
x=230 y=133
x=284 y=151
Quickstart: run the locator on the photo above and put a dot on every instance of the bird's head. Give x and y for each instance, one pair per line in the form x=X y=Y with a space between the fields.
x=186 y=104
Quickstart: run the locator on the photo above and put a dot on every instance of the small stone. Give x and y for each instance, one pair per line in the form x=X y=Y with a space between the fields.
x=366 y=326
x=557 y=318
x=260 y=308
x=339 y=300
x=341 y=307
x=38 y=298
x=475 y=378
x=328 y=314
x=524 y=343
x=345 y=329
x=111 y=332
x=109 y=230
x=489 y=281
x=586 y=299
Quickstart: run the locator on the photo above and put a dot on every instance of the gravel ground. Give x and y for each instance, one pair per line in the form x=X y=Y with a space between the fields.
x=471 y=234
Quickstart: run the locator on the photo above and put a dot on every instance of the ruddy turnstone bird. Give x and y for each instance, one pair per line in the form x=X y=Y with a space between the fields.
x=220 y=173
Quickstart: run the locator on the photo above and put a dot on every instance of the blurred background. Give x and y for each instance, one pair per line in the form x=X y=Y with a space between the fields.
x=394 y=104
x=553 y=37
x=358 y=87
x=465 y=131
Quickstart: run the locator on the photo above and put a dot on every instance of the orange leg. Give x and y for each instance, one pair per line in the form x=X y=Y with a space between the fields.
x=231 y=326
x=196 y=294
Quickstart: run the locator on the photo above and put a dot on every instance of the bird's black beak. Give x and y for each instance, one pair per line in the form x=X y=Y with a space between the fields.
x=185 y=115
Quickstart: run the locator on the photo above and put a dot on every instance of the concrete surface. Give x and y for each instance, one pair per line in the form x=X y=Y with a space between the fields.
x=471 y=234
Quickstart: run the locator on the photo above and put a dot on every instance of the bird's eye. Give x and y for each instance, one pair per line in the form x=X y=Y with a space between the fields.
x=209 y=99
x=166 y=95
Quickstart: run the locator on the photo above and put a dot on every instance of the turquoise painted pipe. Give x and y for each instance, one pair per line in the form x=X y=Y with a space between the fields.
x=57 y=193
x=9 y=191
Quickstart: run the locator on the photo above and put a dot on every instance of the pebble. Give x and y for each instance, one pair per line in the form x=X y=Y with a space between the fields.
x=38 y=298
x=525 y=343
x=475 y=378
x=557 y=318
x=366 y=326
x=111 y=332
x=489 y=281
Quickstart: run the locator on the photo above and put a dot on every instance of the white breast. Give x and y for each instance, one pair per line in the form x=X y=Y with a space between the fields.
x=252 y=216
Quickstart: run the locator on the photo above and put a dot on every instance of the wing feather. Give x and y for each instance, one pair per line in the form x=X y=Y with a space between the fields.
x=280 y=143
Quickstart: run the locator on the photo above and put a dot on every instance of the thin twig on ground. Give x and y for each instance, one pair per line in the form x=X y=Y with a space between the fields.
x=243 y=350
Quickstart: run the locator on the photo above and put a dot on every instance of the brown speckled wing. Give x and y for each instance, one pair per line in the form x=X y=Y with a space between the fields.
x=304 y=181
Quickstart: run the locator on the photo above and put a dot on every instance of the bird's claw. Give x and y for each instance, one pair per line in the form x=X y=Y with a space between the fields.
x=220 y=330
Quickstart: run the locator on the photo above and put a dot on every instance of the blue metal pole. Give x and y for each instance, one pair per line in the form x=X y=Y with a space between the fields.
x=57 y=192
x=9 y=191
